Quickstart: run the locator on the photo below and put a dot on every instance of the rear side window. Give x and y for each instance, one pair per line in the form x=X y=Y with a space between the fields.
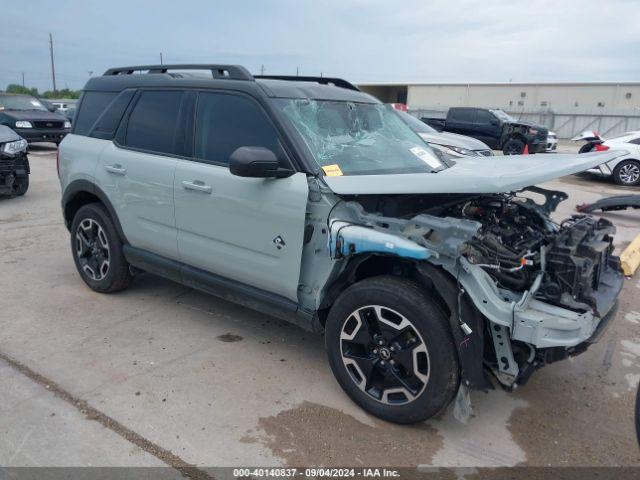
x=152 y=123
x=226 y=122
x=108 y=122
x=463 y=115
x=635 y=141
x=92 y=106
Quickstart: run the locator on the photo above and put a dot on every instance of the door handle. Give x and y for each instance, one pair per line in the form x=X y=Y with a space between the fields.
x=197 y=185
x=116 y=169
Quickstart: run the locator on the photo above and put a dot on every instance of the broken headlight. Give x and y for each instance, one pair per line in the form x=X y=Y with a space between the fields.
x=14 y=148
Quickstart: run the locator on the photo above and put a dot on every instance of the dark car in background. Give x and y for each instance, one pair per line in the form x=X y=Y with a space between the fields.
x=495 y=128
x=31 y=119
x=14 y=166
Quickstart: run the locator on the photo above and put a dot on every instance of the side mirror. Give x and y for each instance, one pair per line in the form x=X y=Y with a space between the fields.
x=495 y=122
x=256 y=162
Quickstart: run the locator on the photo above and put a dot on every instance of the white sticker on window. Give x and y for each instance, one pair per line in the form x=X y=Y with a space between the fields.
x=35 y=103
x=426 y=157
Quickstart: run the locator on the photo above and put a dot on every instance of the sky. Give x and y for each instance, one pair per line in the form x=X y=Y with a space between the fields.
x=363 y=41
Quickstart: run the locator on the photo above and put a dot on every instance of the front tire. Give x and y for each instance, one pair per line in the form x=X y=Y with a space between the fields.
x=391 y=350
x=21 y=186
x=513 y=146
x=97 y=250
x=627 y=173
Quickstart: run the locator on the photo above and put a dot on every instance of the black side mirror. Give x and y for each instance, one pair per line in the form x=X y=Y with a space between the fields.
x=256 y=162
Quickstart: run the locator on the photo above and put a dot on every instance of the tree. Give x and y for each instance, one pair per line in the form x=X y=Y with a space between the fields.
x=15 y=88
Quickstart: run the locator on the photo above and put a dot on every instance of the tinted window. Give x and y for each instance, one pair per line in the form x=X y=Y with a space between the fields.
x=463 y=114
x=635 y=141
x=152 y=123
x=485 y=117
x=108 y=122
x=227 y=122
x=92 y=106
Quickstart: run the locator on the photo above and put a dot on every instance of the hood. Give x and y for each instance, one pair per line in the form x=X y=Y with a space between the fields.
x=8 y=135
x=455 y=140
x=495 y=174
x=37 y=115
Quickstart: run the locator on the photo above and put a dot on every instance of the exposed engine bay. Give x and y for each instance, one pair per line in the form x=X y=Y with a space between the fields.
x=517 y=240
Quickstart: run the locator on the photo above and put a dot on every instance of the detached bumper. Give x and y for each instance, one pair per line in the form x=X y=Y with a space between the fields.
x=33 y=135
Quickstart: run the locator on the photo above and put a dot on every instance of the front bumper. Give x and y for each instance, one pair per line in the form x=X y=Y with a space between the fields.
x=537 y=145
x=552 y=145
x=11 y=169
x=33 y=135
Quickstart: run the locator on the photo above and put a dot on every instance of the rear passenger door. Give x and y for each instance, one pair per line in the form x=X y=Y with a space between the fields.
x=137 y=171
x=462 y=121
x=245 y=229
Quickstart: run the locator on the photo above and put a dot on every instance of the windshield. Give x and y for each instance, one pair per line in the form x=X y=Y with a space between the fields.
x=20 y=102
x=505 y=117
x=347 y=138
x=416 y=125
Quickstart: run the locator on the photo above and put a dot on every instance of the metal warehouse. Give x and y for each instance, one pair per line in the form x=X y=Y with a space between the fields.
x=568 y=108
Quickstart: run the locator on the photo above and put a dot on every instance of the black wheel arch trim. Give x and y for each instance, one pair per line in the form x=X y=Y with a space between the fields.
x=79 y=186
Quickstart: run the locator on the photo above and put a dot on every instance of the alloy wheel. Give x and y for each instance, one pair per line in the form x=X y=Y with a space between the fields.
x=629 y=173
x=385 y=355
x=92 y=249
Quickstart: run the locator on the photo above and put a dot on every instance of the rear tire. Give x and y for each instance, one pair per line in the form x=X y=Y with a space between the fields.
x=513 y=146
x=97 y=250
x=391 y=350
x=627 y=173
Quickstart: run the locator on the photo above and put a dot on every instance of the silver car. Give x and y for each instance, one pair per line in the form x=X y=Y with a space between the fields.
x=309 y=200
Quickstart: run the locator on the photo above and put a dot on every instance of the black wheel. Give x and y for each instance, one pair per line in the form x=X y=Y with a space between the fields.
x=391 y=350
x=513 y=146
x=627 y=172
x=97 y=250
x=21 y=185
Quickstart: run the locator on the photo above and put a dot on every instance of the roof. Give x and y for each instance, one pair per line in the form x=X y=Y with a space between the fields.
x=227 y=77
x=500 y=84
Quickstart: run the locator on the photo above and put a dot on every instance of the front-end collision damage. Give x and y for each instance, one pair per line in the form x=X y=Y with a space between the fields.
x=545 y=303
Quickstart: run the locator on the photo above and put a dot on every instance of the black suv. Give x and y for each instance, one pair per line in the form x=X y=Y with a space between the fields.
x=31 y=119
x=495 y=128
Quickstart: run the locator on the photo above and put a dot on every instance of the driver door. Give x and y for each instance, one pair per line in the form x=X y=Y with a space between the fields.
x=245 y=229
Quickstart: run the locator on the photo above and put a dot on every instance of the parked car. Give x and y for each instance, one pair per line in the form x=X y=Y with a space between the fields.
x=30 y=119
x=495 y=128
x=552 y=142
x=450 y=144
x=14 y=165
x=625 y=169
x=309 y=200
x=62 y=106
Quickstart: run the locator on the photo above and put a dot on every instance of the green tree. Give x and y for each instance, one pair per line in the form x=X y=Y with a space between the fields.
x=15 y=88
x=64 y=93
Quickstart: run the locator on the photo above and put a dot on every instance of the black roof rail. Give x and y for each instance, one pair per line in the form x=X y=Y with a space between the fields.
x=338 y=82
x=232 y=72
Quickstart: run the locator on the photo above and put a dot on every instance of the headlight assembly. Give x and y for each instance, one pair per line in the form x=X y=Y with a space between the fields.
x=67 y=124
x=23 y=124
x=454 y=151
x=14 y=148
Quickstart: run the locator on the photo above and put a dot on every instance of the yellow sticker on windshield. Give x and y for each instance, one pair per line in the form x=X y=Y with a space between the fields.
x=332 y=170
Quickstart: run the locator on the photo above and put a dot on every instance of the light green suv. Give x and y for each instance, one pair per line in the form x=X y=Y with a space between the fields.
x=311 y=201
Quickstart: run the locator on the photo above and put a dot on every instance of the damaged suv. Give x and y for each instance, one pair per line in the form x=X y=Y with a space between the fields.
x=311 y=201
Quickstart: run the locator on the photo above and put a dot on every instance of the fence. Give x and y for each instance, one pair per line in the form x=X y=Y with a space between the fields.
x=567 y=125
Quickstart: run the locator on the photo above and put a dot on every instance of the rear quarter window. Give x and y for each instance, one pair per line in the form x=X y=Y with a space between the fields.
x=91 y=107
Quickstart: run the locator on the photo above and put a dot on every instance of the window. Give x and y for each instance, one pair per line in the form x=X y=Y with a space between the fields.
x=463 y=114
x=601 y=104
x=226 y=122
x=523 y=94
x=544 y=104
x=108 y=122
x=627 y=95
x=91 y=107
x=635 y=141
x=485 y=117
x=152 y=123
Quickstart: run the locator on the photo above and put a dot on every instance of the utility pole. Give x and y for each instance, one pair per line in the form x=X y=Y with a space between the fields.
x=297 y=72
x=53 y=68
x=261 y=69
x=161 y=59
x=22 y=79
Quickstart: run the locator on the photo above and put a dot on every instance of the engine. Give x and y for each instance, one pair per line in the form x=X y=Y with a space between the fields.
x=518 y=240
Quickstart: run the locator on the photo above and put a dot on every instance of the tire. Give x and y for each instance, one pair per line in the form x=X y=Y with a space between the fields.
x=94 y=240
x=21 y=186
x=627 y=173
x=513 y=146
x=419 y=358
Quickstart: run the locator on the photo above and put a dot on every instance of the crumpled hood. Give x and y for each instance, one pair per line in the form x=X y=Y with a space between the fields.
x=495 y=174
x=454 y=140
x=39 y=115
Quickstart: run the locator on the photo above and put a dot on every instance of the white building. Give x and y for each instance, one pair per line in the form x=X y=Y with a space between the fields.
x=609 y=107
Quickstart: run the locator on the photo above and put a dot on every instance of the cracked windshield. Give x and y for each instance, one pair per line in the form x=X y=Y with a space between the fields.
x=348 y=138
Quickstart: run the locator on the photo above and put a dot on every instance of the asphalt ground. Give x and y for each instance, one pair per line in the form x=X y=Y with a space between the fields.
x=164 y=375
